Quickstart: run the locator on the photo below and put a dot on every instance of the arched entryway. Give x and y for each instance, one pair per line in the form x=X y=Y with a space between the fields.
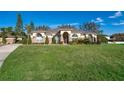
x=66 y=37
x=90 y=37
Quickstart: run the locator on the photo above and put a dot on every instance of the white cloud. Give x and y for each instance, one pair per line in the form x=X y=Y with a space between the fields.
x=119 y=23
x=117 y=14
x=74 y=23
x=102 y=24
x=98 y=20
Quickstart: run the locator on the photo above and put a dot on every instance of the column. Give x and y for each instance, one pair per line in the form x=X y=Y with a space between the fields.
x=61 y=38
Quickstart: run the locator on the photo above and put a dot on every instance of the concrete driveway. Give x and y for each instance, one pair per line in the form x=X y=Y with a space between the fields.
x=6 y=50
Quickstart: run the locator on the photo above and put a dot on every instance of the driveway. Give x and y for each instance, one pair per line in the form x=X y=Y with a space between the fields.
x=6 y=50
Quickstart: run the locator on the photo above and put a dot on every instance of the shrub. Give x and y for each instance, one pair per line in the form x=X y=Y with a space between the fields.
x=47 y=40
x=80 y=41
x=61 y=42
x=24 y=41
x=101 y=39
x=3 y=35
x=74 y=41
x=86 y=41
x=29 y=40
x=4 y=40
x=53 y=40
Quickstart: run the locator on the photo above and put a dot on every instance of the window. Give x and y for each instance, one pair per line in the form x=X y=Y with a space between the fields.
x=39 y=35
x=74 y=35
x=39 y=38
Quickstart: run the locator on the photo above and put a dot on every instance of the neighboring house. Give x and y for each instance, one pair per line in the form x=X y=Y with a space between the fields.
x=63 y=36
x=117 y=38
x=9 y=39
x=108 y=37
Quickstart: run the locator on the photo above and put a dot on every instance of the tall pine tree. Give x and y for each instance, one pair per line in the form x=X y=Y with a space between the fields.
x=32 y=26
x=19 y=25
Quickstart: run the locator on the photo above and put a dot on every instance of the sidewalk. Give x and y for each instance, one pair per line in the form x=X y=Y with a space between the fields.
x=6 y=50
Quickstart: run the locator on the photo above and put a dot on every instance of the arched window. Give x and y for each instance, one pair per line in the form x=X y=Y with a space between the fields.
x=39 y=35
x=39 y=38
x=74 y=35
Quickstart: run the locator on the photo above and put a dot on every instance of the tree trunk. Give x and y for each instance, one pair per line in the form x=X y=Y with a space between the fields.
x=27 y=39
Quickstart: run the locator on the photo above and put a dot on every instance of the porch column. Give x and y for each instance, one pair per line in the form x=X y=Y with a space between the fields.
x=96 y=38
x=93 y=38
x=61 y=38
x=70 y=38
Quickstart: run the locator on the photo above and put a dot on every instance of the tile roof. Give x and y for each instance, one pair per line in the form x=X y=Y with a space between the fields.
x=55 y=31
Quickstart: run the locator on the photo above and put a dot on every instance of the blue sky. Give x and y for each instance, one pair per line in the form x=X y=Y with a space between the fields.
x=111 y=21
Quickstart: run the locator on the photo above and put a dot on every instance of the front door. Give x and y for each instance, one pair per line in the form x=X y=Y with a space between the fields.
x=65 y=37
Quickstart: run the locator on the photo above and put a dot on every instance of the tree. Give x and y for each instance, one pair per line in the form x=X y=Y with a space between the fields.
x=86 y=41
x=19 y=25
x=3 y=29
x=47 y=40
x=32 y=26
x=3 y=37
x=53 y=40
x=28 y=28
x=43 y=27
x=90 y=27
x=100 y=32
x=101 y=39
x=9 y=31
x=66 y=26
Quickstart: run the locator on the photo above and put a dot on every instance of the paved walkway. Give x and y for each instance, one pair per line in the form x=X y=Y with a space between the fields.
x=6 y=50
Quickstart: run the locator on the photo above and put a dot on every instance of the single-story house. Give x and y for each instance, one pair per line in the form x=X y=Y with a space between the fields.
x=63 y=36
x=10 y=39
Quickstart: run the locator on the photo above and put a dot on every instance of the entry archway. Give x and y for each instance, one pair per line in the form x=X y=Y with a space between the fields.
x=66 y=37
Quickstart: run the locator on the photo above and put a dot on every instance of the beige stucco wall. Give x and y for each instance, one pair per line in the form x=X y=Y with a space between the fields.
x=50 y=38
x=80 y=36
x=10 y=40
x=34 y=38
x=35 y=34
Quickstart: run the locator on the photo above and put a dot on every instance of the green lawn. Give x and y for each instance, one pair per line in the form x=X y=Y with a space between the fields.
x=65 y=62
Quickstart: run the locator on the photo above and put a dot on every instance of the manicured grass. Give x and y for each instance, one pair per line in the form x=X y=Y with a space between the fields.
x=65 y=62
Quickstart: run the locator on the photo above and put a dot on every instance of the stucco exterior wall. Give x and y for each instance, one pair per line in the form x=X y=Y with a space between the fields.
x=50 y=39
x=35 y=39
x=10 y=40
x=92 y=37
